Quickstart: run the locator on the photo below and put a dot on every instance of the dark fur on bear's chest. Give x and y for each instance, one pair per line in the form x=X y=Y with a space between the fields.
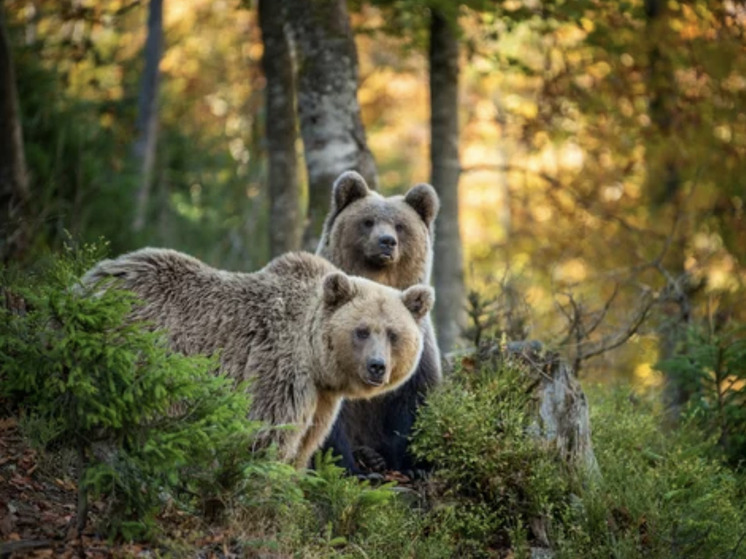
x=359 y=226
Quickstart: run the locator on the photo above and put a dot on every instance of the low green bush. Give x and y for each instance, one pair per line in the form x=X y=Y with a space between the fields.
x=144 y=421
x=663 y=493
x=710 y=367
x=492 y=478
x=345 y=517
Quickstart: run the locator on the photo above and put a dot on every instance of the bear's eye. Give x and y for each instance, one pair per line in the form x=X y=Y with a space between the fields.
x=368 y=223
x=362 y=333
x=393 y=336
x=400 y=228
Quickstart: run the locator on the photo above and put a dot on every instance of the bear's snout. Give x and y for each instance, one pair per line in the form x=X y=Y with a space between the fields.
x=387 y=243
x=376 y=371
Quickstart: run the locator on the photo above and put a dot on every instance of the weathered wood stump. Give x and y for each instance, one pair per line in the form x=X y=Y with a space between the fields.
x=563 y=417
x=562 y=412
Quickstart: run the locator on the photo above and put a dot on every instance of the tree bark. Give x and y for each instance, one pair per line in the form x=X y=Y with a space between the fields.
x=664 y=181
x=286 y=225
x=448 y=268
x=146 y=143
x=332 y=130
x=14 y=190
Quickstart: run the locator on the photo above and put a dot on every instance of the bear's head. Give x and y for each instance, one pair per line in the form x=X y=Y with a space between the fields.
x=388 y=240
x=371 y=334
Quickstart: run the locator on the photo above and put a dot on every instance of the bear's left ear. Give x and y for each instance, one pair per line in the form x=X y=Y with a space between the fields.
x=338 y=289
x=425 y=202
x=419 y=300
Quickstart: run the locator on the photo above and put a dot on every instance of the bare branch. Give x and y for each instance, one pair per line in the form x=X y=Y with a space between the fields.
x=616 y=339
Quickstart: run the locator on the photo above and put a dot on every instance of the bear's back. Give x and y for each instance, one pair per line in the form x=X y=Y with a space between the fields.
x=204 y=310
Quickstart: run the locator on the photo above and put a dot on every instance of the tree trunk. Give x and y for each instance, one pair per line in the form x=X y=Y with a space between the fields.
x=147 y=113
x=331 y=127
x=286 y=225
x=448 y=268
x=664 y=181
x=14 y=192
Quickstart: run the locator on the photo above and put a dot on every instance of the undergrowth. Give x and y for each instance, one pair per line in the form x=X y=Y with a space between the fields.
x=145 y=428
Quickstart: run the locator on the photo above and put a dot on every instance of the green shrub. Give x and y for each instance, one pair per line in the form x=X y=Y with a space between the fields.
x=143 y=420
x=492 y=478
x=711 y=368
x=662 y=494
x=341 y=516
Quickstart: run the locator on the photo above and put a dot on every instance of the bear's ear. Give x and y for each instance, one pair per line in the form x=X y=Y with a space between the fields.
x=425 y=202
x=338 y=289
x=419 y=300
x=348 y=187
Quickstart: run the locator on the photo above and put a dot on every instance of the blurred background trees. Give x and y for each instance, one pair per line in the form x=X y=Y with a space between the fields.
x=590 y=155
x=14 y=192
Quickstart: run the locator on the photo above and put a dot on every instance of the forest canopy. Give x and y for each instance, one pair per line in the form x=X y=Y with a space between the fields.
x=601 y=150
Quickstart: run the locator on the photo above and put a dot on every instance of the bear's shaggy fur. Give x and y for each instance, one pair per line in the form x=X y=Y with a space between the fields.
x=307 y=334
x=388 y=240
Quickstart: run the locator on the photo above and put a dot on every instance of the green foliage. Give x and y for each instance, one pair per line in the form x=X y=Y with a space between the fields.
x=661 y=493
x=76 y=164
x=341 y=506
x=138 y=415
x=660 y=496
x=711 y=369
x=342 y=516
x=494 y=477
x=77 y=95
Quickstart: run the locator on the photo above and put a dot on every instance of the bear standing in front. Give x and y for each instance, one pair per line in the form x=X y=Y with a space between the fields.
x=306 y=334
x=390 y=241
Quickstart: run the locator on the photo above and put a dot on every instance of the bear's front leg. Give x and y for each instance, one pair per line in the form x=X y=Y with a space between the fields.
x=327 y=409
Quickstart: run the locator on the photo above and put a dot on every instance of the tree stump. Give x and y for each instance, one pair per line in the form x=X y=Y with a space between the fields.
x=563 y=417
x=562 y=412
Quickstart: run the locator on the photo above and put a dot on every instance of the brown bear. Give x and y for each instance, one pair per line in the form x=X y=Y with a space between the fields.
x=306 y=334
x=388 y=240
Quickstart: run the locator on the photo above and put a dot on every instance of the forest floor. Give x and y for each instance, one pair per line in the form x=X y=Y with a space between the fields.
x=38 y=499
x=37 y=515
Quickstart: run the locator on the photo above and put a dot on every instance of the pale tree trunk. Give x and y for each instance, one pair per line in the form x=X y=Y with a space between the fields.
x=329 y=113
x=286 y=224
x=448 y=268
x=147 y=113
x=14 y=192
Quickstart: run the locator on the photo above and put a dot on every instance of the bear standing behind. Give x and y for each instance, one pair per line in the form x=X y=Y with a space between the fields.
x=304 y=332
x=390 y=241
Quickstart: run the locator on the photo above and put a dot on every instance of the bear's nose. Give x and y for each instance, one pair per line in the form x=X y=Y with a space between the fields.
x=387 y=242
x=376 y=370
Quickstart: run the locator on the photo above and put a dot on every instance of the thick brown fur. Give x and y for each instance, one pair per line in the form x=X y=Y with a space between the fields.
x=306 y=334
x=390 y=241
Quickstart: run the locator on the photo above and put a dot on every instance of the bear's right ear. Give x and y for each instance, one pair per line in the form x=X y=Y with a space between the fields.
x=338 y=290
x=348 y=187
x=419 y=300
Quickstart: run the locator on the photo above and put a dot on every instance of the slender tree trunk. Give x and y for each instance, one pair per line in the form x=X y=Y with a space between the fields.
x=331 y=127
x=286 y=224
x=14 y=191
x=448 y=269
x=147 y=112
x=664 y=182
